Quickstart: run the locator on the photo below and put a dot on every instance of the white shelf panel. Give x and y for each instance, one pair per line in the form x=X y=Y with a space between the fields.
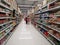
x=6 y=2
x=2 y=5
x=3 y=12
x=5 y=17
x=57 y=22
x=52 y=2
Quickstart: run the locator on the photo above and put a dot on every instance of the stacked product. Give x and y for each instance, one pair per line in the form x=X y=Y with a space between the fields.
x=49 y=21
x=8 y=19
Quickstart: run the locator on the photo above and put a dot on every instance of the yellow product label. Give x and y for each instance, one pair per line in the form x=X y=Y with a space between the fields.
x=14 y=23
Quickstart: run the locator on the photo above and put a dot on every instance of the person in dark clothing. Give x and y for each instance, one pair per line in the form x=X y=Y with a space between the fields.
x=26 y=20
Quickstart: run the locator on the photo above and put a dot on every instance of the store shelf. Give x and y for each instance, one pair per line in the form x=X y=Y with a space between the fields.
x=6 y=2
x=6 y=11
x=55 y=22
x=37 y=22
x=11 y=33
x=3 y=6
x=47 y=10
x=52 y=2
x=6 y=33
x=46 y=6
x=51 y=27
x=3 y=12
x=57 y=15
x=4 y=29
x=50 y=33
x=54 y=36
x=43 y=27
x=56 y=8
x=52 y=9
x=13 y=18
x=7 y=39
x=5 y=23
x=5 y=17
x=48 y=39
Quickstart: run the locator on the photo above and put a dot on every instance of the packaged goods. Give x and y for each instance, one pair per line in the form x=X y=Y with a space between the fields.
x=2 y=21
x=46 y=33
x=57 y=13
x=3 y=15
x=57 y=35
x=51 y=31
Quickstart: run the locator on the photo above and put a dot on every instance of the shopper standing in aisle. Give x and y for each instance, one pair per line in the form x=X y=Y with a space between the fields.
x=27 y=19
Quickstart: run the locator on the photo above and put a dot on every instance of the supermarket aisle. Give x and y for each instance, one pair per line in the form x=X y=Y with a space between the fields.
x=27 y=35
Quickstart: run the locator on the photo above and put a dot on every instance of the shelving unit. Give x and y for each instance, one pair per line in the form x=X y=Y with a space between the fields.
x=48 y=21
x=3 y=6
x=10 y=17
x=48 y=39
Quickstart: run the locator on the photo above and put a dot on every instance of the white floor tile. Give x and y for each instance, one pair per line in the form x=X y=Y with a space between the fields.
x=27 y=35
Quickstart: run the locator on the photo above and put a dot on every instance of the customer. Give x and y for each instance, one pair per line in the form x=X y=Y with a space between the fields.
x=26 y=20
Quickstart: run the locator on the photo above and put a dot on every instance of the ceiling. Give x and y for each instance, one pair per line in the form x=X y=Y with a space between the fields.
x=25 y=5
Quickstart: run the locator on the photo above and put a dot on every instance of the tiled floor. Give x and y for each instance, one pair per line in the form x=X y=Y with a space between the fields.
x=27 y=35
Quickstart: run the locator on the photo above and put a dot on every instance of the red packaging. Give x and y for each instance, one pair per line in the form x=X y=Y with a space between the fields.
x=58 y=19
x=2 y=21
x=46 y=33
x=3 y=15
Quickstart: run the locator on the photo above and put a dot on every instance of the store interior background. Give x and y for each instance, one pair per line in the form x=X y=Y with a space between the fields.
x=44 y=26
x=27 y=5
